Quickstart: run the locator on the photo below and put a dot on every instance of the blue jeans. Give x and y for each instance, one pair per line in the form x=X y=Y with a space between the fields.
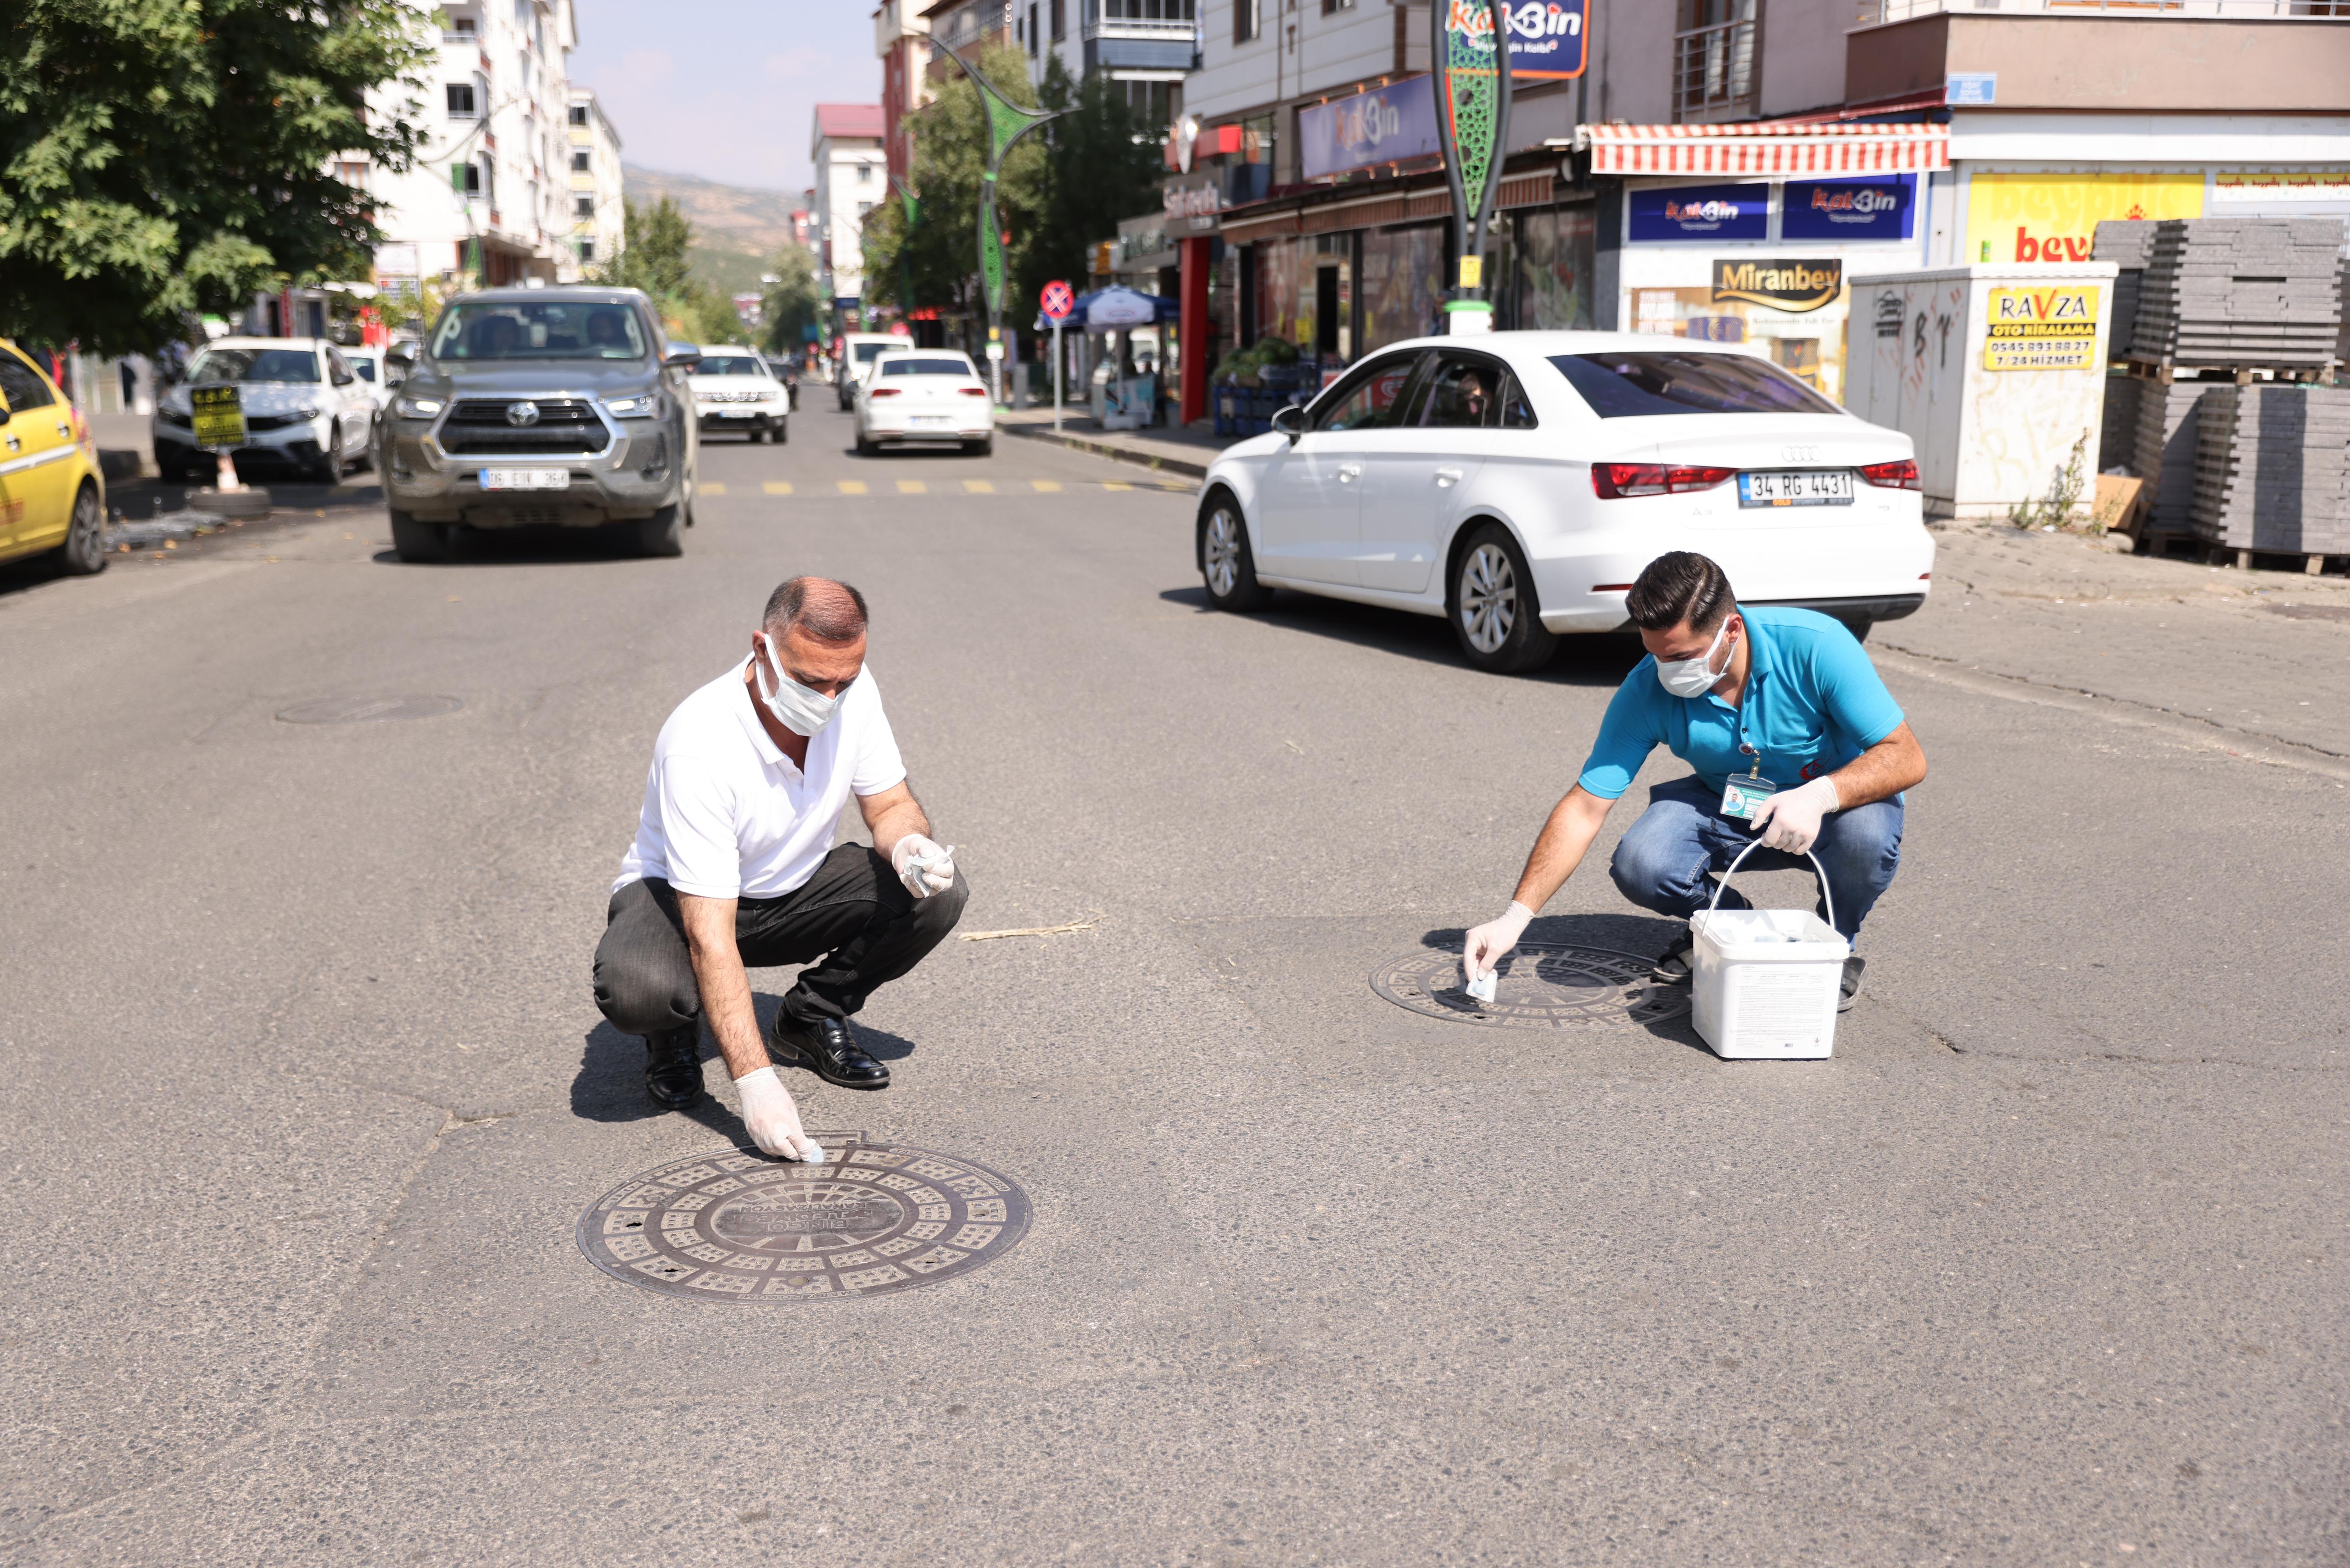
x=1661 y=862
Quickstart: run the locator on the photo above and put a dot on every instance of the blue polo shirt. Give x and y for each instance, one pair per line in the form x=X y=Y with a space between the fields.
x=1813 y=703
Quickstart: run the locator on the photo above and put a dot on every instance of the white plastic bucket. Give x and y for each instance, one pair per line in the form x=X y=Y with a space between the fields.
x=1765 y=983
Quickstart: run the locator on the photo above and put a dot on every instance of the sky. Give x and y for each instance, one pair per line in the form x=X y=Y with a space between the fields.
x=724 y=88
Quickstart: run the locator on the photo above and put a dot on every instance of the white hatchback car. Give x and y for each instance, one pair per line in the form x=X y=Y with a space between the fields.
x=1517 y=481
x=734 y=390
x=924 y=394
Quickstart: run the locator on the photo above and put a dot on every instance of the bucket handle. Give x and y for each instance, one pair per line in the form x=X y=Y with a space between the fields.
x=1825 y=896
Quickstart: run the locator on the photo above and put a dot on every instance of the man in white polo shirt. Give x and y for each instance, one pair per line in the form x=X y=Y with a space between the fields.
x=734 y=866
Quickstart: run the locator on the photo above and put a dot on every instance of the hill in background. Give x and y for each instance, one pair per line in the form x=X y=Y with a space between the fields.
x=735 y=227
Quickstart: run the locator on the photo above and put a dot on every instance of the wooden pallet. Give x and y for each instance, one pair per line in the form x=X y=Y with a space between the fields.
x=2166 y=371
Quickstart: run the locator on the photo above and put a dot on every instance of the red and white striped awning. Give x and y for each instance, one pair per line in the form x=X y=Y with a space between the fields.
x=1776 y=147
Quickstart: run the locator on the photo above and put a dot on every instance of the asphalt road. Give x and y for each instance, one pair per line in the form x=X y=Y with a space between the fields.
x=306 y=1088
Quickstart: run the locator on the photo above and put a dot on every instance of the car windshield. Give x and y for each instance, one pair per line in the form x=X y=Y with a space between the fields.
x=366 y=368
x=728 y=364
x=925 y=368
x=526 y=330
x=866 y=351
x=214 y=365
x=1666 y=381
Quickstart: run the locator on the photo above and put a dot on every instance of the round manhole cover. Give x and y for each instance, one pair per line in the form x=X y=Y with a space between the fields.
x=740 y=1227
x=367 y=710
x=1544 y=985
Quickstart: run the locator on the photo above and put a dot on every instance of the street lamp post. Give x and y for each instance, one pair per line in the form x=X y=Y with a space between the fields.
x=1472 y=120
x=1007 y=122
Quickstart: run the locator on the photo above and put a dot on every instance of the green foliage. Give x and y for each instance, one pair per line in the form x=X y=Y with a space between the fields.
x=2066 y=485
x=941 y=248
x=794 y=302
x=159 y=158
x=1257 y=357
x=655 y=242
x=1102 y=165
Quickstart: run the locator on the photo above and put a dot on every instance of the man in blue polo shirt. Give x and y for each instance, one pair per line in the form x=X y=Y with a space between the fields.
x=1793 y=738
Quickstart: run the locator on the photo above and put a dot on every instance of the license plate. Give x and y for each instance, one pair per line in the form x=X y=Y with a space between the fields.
x=526 y=479
x=931 y=419
x=1797 y=487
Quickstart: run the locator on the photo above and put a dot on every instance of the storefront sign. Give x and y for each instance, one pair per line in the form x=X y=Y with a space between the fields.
x=1701 y=213
x=2282 y=185
x=1192 y=205
x=2054 y=217
x=1385 y=125
x=1848 y=209
x=2051 y=329
x=1545 y=35
x=1796 y=286
x=1975 y=88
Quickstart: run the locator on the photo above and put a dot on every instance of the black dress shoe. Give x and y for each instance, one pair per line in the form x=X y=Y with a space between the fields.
x=673 y=1066
x=1675 y=966
x=1850 y=988
x=830 y=1047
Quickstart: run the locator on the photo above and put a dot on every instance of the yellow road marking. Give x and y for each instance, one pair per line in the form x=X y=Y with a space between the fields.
x=852 y=487
x=978 y=487
x=709 y=489
x=1048 y=485
x=777 y=487
x=1116 y=484
x=913 y=487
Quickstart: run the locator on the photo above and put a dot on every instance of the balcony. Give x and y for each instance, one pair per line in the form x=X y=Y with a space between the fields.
x=2181 y=56
x=1713 y=73
x=1159 y=35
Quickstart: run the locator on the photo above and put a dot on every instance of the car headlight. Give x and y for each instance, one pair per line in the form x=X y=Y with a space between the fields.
x=643 y=406
x=417 y=408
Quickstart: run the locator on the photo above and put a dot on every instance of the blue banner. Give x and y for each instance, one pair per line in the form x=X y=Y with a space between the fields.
x=1385 y=125
x=1878 y=209
x=1701 y=213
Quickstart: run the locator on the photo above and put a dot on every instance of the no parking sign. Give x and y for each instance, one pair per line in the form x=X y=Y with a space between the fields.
x=1059 y=300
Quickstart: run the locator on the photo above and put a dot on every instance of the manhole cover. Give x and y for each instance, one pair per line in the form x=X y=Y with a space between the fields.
x=1544 y=985
x=367 y=710
x=740 y=1227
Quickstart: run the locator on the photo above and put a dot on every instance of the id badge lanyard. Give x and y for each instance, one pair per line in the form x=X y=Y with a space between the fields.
x=1745 y=793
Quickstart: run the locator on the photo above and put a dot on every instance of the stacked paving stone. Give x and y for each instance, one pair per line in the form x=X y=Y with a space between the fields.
x=2241 y=292
x=2128 y=244
x=2118 y=438
x=2167 y=437
x=2272 y=468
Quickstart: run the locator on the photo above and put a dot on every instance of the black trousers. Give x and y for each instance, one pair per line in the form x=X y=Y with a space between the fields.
x=853 y=913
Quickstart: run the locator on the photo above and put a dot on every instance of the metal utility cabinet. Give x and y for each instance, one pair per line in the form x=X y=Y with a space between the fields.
x=1994 y=372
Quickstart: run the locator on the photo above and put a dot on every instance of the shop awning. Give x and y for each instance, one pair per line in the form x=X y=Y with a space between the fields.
x=1775 y=148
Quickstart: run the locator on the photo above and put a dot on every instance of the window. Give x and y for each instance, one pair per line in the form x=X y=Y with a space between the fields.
x=465 y=178
x=865 y=173
x=863 y=208
x=352 y=173
x=460 y=30
x=582 y=206
x=1367 y=398
x=729 y=365
x=911 y=367
x=587 y=250
x=1034 y=41
x=579 y=160
x=1060 y=20
x=1463 y=394
x=1248 y=20
x=462 y=103
x=366 y=369
x=217 y=367
x=564 y=330
x=1714 y=51
x=1630 y=386
x=1162 y=11
x=20 y=386
x=1331 y=7
x=579 y=114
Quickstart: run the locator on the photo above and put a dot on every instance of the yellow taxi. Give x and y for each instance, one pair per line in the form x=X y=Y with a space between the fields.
x=52 y=496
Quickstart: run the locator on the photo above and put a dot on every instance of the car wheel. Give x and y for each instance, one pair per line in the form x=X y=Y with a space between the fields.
x=1227 y=566
x=865 y=445
x=1859 y=629
x=366 y=458
x=980 y=448
x=1494 y=612
x=328 y=468
x=663 y=532
x=781 y=435
x=419 y=541
x=84 y=551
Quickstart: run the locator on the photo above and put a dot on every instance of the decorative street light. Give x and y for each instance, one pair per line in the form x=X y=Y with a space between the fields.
x=1007 y=122
x=1469 y=48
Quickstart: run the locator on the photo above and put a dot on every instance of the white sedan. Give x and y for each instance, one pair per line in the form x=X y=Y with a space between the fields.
x=1517 y=482
x=924 y=394
x=734 y=390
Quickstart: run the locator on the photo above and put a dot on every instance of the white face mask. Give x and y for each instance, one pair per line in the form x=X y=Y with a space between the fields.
x=1693 y=677
x=802 y=710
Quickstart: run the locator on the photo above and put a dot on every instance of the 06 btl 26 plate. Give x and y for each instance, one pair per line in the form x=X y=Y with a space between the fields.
x=740 y=1226
x=1544 y=985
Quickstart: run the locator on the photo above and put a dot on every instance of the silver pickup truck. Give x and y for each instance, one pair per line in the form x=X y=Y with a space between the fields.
x=539 y=406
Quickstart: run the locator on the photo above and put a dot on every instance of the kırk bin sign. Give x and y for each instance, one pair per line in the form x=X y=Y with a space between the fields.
x=1701 y=213
x=1877 y=209
x=1547 y=36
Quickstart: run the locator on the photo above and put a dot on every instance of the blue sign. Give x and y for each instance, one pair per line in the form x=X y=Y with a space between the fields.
x=1879 y=209
x=1970 y=87
x=1701 y=213
x=1383 y=126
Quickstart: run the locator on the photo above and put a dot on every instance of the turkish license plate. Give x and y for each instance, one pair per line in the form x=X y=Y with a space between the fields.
x=526 y=479
x=931 y=420
x=1797 y=487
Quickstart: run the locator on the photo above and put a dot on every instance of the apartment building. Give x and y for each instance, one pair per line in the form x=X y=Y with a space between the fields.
x=491 y=199
x=964 y=27
x=1147 y=47
x=901 y=37
x=595 y=189
x=852 y=177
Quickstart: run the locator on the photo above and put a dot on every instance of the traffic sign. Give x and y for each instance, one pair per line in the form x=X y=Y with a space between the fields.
x=1059 y=301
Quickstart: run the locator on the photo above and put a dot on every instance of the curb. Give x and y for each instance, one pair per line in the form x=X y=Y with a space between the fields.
x=1184 y=466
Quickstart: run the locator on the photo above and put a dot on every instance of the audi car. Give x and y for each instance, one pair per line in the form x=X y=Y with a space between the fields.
x=1517 y=482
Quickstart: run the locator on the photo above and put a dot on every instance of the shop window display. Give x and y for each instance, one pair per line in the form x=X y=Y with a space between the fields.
x=1402 y=284
x=1551 y=258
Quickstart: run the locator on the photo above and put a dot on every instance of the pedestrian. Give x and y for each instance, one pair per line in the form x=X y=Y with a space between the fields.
x=129 y=386
x=734 y=866
x=1770 y=705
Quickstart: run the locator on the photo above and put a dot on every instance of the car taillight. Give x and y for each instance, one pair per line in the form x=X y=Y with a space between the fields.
x=885 y=391
x=973 y=391
x=1901 y=475
x=1619 y=480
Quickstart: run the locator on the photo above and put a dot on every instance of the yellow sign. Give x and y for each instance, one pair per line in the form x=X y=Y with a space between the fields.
x=2051 y=329
x=2054 y=217
x=219 y=414
x=1473 y=271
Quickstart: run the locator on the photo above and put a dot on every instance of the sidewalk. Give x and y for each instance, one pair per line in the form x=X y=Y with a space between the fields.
x=125 y=446
x=1185 y=450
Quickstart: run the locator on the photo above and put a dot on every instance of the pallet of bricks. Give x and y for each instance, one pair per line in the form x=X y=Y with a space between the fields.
x=2205 y=307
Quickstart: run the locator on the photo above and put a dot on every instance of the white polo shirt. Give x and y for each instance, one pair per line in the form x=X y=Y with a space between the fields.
x=727 y=814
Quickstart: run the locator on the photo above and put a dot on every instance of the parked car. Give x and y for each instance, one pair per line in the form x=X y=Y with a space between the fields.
x=52 y=496
x=543 y=406
x=787 y=370
x=924 y=395
x=1516 y=483
x=858 y=351
x=734 y=390
x=371 y=366
x=307 y=411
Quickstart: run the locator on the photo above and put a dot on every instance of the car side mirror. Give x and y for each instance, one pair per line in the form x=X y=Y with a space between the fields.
x=4 y=415
x=394 y=375
x=1291 y=422
x=681 y=357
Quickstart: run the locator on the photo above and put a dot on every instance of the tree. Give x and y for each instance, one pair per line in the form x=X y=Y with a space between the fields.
x=794 y=301
x=164 y=157
x=1102 y=167
x=652 y=256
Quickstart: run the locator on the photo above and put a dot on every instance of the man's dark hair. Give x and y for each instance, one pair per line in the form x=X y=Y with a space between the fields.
x=826 y=610
x=1680 y=586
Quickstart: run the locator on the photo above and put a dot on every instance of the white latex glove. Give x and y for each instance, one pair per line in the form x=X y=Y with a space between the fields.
x=1790 y=820
x=923 y=865
x=774 y=1120
x=1488 y=943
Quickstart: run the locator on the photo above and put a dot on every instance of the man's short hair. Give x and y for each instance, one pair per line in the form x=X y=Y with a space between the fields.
x=1680 y=586
x=826 y=610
